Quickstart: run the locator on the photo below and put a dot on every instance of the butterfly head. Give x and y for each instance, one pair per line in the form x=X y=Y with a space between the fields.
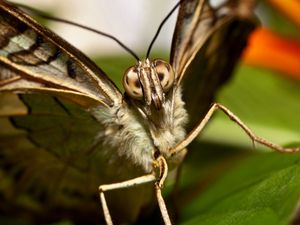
x=148 y=81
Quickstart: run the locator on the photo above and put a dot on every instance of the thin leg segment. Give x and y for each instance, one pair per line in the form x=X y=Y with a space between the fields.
x=194 y=133
x=162 y=205
x=163 y=172
x=125 y=184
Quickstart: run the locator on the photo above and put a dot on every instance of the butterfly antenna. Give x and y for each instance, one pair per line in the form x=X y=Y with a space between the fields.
x=160 y=27
x=43 y=15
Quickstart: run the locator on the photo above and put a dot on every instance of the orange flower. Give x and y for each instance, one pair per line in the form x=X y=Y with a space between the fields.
x=270 y=50
x=290 y=8
x=266 y=49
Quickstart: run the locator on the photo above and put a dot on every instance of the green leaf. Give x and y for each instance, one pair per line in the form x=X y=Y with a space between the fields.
x=263 y=189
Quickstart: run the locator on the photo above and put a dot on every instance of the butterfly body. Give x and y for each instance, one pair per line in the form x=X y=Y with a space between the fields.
x=139 y=129
x=142 y=127
x=133 y=140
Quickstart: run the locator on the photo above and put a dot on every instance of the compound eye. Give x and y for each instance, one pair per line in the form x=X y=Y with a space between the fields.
x=132 y=83
x=165 y=74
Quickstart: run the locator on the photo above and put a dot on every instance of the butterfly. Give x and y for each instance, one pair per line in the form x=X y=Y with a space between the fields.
x=70 y=129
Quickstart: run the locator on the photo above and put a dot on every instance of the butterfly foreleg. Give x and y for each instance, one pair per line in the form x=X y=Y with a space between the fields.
x=256 y=139
x=125 y=184
x=162 y=165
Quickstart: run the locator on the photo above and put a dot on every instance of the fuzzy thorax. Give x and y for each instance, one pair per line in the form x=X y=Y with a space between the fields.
x=129 y=136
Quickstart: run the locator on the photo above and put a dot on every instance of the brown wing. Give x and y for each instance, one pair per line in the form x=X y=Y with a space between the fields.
x=34 y=59
x=50 y=153
x=206 y=46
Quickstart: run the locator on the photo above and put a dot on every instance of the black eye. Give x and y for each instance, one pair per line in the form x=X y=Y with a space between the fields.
x=137 y=84
x=132 y=83
x=165 y=74
x=160 y=76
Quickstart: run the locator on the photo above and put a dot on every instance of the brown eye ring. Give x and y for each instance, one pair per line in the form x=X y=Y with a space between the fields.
x=131 y=83
x=165 y=74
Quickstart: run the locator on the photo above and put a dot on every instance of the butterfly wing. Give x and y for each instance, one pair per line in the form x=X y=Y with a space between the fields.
x=207 y=44
x=49 y=149
x=34 y=59
x=48 y=160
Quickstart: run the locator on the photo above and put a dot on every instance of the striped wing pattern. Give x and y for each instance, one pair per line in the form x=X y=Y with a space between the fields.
x=43 y=168
x=34 y=59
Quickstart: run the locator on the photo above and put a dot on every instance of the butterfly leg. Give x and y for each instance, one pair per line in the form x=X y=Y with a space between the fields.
x=125 y=184
x=194 y=133
x=161 y=163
